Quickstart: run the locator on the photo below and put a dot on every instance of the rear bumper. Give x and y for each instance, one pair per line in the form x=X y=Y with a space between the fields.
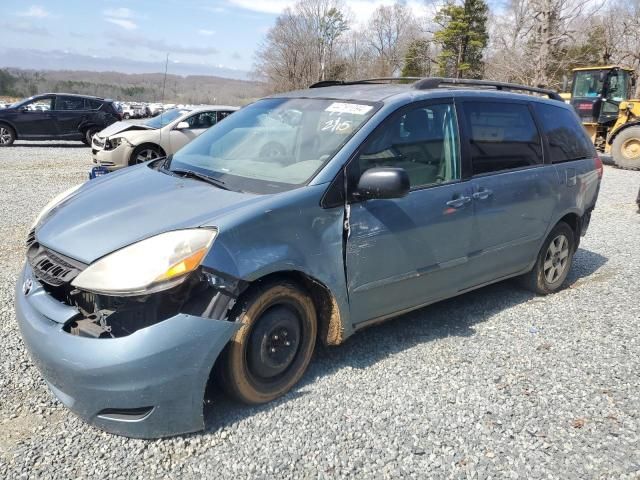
x=146 y=385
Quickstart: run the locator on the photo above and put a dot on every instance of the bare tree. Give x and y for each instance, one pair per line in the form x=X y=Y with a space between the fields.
x=389 y=32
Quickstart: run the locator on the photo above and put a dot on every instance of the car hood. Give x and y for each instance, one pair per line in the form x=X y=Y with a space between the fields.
x=122 y=208
x=120 y=127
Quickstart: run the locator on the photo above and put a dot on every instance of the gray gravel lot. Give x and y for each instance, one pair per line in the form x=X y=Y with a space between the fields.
x=497 y=383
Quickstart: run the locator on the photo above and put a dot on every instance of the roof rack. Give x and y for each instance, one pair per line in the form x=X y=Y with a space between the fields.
x=380 y=80
x=435 y=82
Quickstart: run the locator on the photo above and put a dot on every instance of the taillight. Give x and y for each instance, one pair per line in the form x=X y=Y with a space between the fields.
x=599 y=167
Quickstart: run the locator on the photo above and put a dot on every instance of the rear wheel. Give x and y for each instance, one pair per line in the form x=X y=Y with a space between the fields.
x=7 y=136
x=553 y=263
x=626 y=149
x=273 y=347
x=88 y=135
x=144 y=153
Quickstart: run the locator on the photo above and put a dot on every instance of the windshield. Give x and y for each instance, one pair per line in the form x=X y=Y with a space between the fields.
x=274 y=144
x=591 y=83
x=165 y=118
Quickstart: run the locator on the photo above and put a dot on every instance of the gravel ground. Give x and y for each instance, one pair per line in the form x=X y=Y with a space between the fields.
x=496 y=383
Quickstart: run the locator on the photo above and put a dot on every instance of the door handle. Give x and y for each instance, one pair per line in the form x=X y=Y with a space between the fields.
x=483 y=194
x=458 y=202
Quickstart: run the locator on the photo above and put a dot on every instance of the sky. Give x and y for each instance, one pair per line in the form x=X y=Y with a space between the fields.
x=201 y=36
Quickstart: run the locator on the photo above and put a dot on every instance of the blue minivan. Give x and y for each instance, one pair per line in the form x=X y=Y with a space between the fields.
x=229 y=262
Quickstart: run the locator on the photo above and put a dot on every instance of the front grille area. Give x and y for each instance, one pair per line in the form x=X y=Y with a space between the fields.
x=52 y=268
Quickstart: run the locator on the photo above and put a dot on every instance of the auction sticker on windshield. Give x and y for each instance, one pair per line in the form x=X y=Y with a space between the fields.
x=353 y=108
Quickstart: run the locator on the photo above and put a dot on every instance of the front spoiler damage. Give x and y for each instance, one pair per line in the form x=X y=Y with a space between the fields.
x=145 y=385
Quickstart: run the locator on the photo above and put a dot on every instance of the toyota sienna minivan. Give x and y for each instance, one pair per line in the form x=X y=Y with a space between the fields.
x=225 y=262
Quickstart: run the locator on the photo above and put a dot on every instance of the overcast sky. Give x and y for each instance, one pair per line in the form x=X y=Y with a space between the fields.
x=221 y=34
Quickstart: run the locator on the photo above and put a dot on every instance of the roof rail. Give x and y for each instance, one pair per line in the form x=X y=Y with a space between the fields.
x=435 y=82
x=379 y=80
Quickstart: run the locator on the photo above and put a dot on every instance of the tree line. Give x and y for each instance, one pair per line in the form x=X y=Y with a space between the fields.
x=194 y=89
x=531 y=42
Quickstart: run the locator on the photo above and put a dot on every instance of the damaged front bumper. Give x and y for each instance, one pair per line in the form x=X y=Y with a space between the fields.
x=146 y=385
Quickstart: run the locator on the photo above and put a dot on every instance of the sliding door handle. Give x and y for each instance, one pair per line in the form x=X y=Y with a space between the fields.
x=458 y=202
x=482 y=194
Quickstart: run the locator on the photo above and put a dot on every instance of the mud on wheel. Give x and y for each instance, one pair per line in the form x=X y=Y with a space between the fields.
x=273 y=347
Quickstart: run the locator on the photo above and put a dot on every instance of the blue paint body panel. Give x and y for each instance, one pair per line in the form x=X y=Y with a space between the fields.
x=397 y=255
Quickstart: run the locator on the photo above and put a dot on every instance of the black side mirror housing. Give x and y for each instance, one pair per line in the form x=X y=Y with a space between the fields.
x=381 y=183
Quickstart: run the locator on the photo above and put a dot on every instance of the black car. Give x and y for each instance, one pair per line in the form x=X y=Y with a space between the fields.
x=56 y=116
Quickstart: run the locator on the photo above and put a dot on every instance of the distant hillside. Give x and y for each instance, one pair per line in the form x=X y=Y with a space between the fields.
x=130 y=87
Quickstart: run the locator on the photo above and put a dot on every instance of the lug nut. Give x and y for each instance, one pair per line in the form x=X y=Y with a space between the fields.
x=287 y=343
x=273 y=350
x=275 y=337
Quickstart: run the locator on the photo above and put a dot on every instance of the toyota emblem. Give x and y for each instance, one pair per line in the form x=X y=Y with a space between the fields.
x=27 y=286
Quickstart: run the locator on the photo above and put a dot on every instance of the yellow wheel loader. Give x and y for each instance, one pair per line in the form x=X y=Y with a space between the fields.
x=602 y=98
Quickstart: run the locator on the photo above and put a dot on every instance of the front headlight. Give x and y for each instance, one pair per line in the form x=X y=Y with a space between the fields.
x=54 y=202
x=113 y=143
x=148 y=266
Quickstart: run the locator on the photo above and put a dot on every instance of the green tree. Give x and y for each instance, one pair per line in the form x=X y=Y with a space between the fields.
x=417 y=59
x=462 y=38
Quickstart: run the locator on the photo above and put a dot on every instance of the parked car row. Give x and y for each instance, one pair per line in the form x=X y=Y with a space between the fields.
x=125 y=143
x=61 y=116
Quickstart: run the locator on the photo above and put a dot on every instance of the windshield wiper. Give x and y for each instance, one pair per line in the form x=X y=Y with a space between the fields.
x=201 y=176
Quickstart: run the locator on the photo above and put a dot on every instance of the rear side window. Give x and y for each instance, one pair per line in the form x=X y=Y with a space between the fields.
x=567 y=139
x=223 y=115
x=91 y=104
x=69 y=103
x=502 y=136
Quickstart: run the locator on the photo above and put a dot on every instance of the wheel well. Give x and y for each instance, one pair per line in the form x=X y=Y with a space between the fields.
x=150 y=144
x=330 y=328
x=622 y=129
x=573 y=220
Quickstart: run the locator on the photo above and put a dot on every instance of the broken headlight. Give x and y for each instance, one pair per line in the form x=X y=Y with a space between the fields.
x=113 y=143
x=151 y=265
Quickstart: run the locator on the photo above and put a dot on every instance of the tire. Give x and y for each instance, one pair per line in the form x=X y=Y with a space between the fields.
x=626 y=149
x=88 y=135
x=145 y=153
x=272 y=349
x=553 y=262
x=7 y=135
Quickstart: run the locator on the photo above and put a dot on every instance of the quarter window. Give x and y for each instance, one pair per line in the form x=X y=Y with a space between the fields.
x=566 y=136
x=91 y=104
x=502 y=136
x=423 y=141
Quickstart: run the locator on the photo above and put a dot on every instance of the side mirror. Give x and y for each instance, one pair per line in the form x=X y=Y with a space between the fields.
x=383 y=183
x=182 y=126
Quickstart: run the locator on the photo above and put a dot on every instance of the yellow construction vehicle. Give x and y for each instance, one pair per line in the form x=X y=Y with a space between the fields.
x=602 y=98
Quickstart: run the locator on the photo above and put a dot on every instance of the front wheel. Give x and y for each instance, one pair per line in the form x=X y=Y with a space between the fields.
x=553 y=263
x=7 y=136
x=626 y=149
x=144 y=153
x=273 y=347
